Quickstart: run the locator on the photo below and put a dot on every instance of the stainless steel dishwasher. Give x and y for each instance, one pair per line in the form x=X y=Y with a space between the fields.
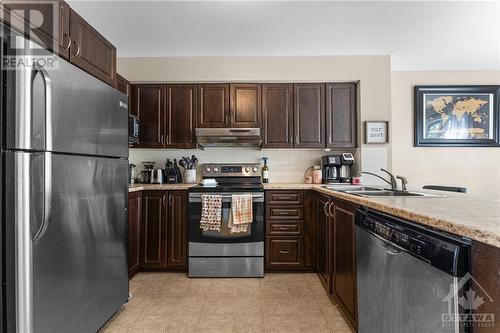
x=404 y=273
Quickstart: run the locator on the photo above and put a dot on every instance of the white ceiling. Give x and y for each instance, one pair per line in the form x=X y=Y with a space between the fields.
x=418 y=35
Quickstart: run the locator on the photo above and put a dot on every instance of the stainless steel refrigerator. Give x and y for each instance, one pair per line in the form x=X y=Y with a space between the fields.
x=64 y=196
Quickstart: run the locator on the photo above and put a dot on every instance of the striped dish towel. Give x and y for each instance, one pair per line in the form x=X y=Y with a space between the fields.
x=211 y=212
x=241 y=213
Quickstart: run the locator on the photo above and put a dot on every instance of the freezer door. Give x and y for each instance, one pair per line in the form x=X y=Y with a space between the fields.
x=67 y=215
x=64 y=110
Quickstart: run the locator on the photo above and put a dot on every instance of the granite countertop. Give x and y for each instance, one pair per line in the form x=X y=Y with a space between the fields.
x=473 y=216
x=152 y=187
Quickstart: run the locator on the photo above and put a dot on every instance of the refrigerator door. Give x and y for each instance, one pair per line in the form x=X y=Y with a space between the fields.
x=67 y=215
x=64 y=110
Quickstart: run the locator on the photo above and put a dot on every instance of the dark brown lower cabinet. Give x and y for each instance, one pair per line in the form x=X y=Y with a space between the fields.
x=154 y=221
x=164 y=240
x=177 y=230
x=345 y=258
x=134 y=232
x=285 y=252
x=323 y=242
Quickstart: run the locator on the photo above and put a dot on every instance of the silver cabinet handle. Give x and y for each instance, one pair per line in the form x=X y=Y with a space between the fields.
x=77 y=48
x=324 y=209
x=163 y=200
x=284 y=252
x=284 y=197
x=66 y=37
x=170 y=199
x=162 y=141
x=330 y=209
x=283 y=228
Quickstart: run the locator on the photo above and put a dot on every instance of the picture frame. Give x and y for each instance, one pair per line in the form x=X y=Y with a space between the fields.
x=376 y=132
x=457 y=116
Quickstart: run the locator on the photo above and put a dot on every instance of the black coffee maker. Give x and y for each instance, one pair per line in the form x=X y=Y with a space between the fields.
x=337 y=168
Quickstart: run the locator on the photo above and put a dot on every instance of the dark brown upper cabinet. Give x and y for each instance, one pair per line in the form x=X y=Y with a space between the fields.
x=309 y=115
x=148 y=103
x=180 y=115
x=213 y=105
x=245 y=105
x=122 y=84
x=91 y=51
x=64 y=39
x=277 y=113
x=341 y=115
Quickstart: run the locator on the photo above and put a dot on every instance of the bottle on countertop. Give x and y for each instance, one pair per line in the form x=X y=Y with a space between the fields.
x=265 y=171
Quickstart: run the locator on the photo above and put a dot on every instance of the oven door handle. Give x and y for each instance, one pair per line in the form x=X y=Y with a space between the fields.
x=197 y=197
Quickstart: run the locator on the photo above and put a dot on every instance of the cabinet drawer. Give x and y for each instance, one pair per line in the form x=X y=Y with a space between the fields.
x=285 y=229
x=284 y=252
x=284 y=198
x=284 y=213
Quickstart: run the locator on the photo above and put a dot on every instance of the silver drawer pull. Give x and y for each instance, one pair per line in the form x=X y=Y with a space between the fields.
x=284 y=197
x=283 y=212
x=283 y=228
x=284 y=252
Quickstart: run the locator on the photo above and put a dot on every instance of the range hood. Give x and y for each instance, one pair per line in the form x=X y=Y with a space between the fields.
x=228 y=137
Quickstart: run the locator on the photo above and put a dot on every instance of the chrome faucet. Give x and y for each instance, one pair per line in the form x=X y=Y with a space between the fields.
x=404 y=183
x=393 y=182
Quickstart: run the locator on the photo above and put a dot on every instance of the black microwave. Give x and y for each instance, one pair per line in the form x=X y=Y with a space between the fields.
x=133 y=129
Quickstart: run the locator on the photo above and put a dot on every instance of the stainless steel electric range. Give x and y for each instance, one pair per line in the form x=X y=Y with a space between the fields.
x=221 y=253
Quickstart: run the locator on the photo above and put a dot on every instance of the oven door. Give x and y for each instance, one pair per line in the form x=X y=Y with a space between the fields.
x=223 y=242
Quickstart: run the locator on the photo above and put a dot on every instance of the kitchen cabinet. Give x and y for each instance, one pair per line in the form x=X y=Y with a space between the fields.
x=345 y=258
x=288 y=232
x=277 y=112
x=245 y=105
x=213 y=105
x=122 y=85
x=148 y=104
x=134 y=232
x=164 y=230
x=309 y=115
x=341 y=115
x=180 y=116
x=177 y=230
x=91 y=51
x=324 y=241
x=154 y=233
x=50 y=34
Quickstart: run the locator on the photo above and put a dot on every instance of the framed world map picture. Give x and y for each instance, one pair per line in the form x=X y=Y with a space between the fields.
x=457 y=116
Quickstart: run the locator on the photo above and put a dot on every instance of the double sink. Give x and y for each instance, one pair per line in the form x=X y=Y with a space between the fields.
x=376 y=192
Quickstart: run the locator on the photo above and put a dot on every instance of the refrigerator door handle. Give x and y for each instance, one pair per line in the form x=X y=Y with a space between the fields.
x=47 y=193
x=37 y=69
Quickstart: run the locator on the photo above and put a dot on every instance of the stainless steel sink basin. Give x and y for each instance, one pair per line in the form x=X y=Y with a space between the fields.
x=391 y=193
x=351 y=188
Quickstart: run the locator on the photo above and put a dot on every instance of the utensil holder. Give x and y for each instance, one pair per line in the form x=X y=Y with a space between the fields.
x=190 y=176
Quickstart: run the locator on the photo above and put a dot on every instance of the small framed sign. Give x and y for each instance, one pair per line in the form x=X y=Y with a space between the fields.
x=376 y=131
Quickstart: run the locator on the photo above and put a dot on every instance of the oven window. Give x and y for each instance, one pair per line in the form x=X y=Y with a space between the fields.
x=225 y=231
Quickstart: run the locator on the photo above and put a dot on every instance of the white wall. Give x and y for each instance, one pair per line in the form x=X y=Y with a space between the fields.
x=372 y=72
x=478 y=169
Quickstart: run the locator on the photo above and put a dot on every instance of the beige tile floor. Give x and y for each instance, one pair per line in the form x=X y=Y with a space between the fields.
x=279 y=302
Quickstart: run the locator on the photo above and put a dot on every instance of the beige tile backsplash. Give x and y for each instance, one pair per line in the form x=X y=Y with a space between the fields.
x=285 y=165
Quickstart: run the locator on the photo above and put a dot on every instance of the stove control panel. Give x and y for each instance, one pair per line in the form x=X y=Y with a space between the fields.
x=230 y=170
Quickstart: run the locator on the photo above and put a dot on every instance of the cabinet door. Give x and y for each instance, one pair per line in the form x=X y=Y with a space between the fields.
x=181 y=110
x=213 y=105
x=309 y=115
x=47 y=28
x=277 y=111
x=341 y=115
x=148 y=104
x=177 y=230
x=245 y=105
x=323 y=241
x=134 y=232
x=91 y=51
x=122 y=84
x=154 y=219
x=345 y=258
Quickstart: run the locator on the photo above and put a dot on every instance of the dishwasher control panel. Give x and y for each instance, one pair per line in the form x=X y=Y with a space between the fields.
x=437 y=248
